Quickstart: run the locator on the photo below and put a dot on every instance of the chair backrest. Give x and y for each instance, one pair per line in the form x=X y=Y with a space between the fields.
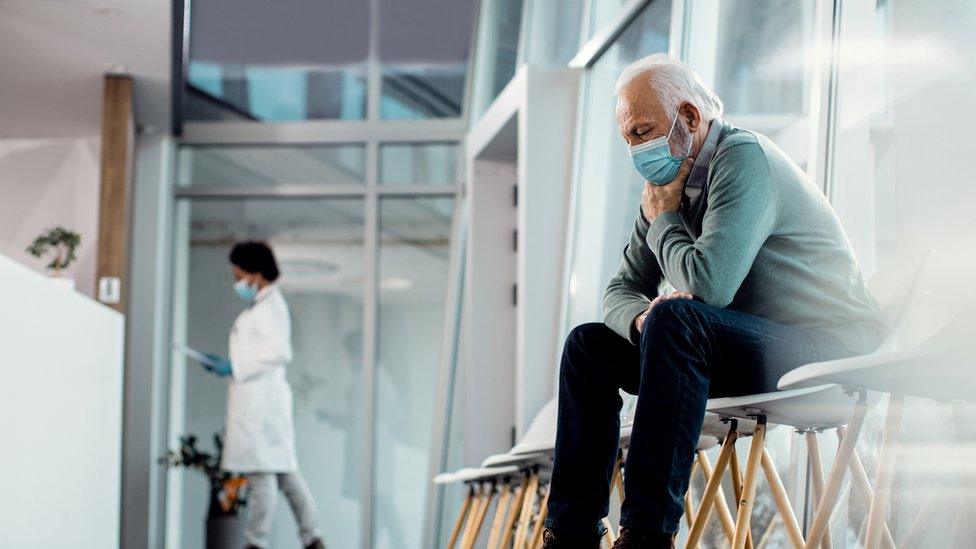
x=937 y=303
x=543 y=426
x=893 y=287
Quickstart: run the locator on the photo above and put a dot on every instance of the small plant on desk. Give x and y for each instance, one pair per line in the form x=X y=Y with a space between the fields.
x=59 y=241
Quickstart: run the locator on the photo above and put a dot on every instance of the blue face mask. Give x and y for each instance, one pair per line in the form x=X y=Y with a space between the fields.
x=246 y=291
x=654 y=161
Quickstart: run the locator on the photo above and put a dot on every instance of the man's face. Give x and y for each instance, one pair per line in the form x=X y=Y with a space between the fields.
x=641 y=117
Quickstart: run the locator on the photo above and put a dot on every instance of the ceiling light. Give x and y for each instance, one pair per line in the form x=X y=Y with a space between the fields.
x=396 y=283
x=107 y=11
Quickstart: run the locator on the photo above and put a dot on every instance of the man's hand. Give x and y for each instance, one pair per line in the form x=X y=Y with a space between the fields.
x=657 y=199
x=639 y=321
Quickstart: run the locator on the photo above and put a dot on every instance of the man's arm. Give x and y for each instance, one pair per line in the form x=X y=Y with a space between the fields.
x=740 y=217
x=630 y=292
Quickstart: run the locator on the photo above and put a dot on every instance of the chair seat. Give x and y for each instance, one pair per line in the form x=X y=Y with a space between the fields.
x=445 y=478
x=938 y=373
x=518 y=460
x=821 y=407
x=483 y=473
x=706 y=441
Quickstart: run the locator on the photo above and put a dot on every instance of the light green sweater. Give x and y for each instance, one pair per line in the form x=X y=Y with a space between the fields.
x=770 y=245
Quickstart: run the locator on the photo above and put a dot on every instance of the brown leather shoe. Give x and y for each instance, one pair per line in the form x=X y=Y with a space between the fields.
x=643 y=540
x=551 y=541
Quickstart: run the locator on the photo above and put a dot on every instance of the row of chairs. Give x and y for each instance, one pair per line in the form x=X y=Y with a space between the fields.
x=926 y=353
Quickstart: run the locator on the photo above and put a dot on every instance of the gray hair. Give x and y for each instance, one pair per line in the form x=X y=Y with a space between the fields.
x=674 y=84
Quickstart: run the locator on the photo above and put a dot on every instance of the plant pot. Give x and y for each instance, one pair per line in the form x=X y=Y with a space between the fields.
x=225 y=532
x=63 y=282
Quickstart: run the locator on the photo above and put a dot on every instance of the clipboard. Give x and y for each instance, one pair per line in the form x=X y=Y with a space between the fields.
x=196 y=355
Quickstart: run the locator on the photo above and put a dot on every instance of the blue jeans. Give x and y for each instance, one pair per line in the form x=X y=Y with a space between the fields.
x=688 y=352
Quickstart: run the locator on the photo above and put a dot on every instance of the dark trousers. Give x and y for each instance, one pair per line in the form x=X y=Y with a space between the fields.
x=688 y=352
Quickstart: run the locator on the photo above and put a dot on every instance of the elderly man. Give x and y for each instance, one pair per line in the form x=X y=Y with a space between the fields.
x=761 y=279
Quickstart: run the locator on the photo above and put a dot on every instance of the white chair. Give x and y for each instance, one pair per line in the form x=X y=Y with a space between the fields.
x=928 y=354
x=483 y=485
x=811 y=410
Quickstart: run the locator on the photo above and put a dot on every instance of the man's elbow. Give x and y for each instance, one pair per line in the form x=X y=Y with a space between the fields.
x=714 y=294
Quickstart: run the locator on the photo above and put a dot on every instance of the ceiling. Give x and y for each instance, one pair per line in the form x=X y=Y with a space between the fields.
x=53 y=54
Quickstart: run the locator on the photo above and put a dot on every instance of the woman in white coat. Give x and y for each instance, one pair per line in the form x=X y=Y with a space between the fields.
x=260 y=440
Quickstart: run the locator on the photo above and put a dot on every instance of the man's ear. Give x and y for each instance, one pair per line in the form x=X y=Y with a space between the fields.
x=691 y=115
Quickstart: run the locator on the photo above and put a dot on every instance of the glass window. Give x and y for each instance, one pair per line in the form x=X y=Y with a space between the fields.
x=554 y=31
x=413 y=257
x=900 y=177
x=423 y=50
x=319 y=248
x=758 y=57
x=901 y=182
x=608 y=188
x=499 y=30
x=272 y=62
x=264 y=165
x=425 y=163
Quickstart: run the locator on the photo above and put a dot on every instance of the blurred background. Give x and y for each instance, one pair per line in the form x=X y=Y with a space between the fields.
x=445 y=188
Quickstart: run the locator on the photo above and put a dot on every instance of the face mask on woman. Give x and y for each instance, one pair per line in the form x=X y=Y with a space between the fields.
x=245 y=290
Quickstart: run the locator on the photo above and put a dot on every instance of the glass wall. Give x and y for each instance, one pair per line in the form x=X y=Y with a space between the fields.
x=427 y=163
x=346 y=60
x=320 y=250
x=263 y=165
x=608 y=189
x=766 y=75
x=413 y=257
x=497 y=52
x=311 y=202
x=900 y=180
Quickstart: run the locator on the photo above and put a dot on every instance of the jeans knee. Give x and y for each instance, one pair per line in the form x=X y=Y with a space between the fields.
x=581 y=341
x=672 y=312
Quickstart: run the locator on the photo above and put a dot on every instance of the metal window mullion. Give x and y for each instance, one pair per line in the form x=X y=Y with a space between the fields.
x=370 y=340
x=607 y=35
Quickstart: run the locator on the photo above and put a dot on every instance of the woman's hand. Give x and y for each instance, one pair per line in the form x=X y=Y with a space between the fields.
x=221 y=366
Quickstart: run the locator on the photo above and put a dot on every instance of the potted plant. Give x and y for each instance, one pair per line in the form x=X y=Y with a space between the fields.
x=61 y=244
x=228 y=492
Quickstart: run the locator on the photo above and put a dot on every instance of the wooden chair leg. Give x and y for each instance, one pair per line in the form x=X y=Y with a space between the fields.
x=743 y=520
x=817 y=477
x=473 y=513
x=512 y=515
x=501 y=512
x=608 y=534
x=689 y=495
x=536 y=540
x=929 y=506
x=462 y=514
x=782 y=500
x=724 y=515
x=737 y=489
x=835 y=478
x=886 y=461
x=488 y=495
x=768 y=534
x=525 y=515
x=862 y=486
x=711 y=489
x=618 y=476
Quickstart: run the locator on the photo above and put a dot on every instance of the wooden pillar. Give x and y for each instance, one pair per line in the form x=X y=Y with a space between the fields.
x=118 y=141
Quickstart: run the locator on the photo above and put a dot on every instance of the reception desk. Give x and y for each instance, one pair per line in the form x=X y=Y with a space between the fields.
x=61 y=357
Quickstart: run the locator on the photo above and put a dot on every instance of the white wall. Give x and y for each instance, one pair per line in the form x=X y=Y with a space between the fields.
x=47 y=182
x=60 y=415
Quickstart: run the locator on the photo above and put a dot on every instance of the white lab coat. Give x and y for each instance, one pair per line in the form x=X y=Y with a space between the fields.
x=260 y=436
